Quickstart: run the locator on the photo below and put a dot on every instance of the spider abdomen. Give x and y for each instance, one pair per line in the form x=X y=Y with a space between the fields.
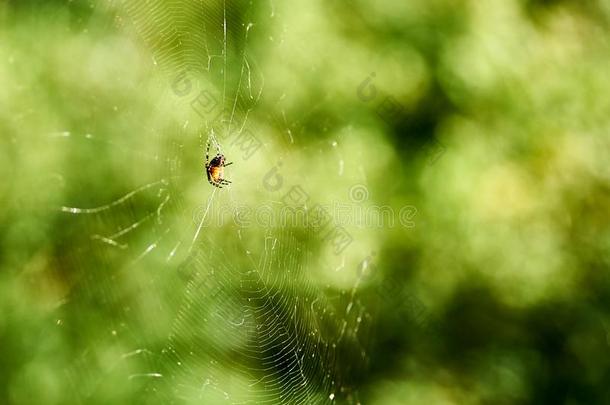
x=216 y=173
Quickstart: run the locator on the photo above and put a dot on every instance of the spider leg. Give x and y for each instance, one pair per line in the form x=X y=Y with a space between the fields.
x=227 y=164
x=215 y=184
x=207 y=153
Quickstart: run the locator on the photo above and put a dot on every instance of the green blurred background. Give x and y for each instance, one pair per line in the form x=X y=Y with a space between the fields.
x=486 y=123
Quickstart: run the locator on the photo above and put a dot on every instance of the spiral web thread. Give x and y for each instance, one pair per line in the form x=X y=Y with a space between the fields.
x=258 y=332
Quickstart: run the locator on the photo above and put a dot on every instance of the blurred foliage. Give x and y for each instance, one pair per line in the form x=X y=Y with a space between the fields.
x=499 y=294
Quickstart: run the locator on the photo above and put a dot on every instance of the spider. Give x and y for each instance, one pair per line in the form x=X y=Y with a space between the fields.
x=215 y=168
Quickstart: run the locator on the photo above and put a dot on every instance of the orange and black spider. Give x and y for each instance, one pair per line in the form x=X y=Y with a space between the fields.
x=215 y=168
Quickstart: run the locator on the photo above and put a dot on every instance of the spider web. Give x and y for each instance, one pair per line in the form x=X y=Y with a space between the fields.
x=201 y=313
